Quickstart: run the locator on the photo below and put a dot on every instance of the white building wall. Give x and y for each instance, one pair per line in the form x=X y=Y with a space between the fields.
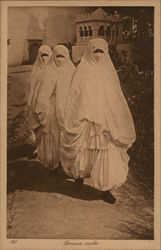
x=51 y=24
x=22 y=25
x=17 y=34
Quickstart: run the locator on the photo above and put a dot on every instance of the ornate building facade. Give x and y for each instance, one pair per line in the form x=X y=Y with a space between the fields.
x=98 y=24
x=30 y=27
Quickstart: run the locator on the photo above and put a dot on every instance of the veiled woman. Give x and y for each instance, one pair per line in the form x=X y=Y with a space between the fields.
x=98 y=124
x=42 y=60
x=50 y=106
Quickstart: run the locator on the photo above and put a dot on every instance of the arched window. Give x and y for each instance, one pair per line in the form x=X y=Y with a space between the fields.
x=85 y=31
x=81 y=31
x=90 y=31
x=108 y=31
x=101 y=31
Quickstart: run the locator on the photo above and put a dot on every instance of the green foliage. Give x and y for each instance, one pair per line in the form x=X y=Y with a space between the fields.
x=138 y=90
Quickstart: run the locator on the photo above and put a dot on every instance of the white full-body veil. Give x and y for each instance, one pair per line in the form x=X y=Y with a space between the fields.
x=50 y=105
x=95 y=97
x=65 y=73
x=95 y=94
x=34 y=84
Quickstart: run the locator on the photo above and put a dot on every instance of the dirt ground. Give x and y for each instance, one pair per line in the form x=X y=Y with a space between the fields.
x=45 y=206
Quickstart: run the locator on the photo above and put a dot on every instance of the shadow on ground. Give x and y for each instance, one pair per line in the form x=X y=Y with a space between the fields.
x=30 y=175
x=20 y=151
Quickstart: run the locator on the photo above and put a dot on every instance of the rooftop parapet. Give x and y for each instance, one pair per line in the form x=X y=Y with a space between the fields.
x=99 y=15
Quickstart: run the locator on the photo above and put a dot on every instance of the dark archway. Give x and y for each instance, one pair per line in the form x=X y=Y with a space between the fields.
x=101 y=31
x=90 y=31
x=33 y=50
x=81 y=31
x=33 y=47
x=85 y=31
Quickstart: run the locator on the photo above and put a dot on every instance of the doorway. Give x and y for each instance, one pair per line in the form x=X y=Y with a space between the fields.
x=34 y=46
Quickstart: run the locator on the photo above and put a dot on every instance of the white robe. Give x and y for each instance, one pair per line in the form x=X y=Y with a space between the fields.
x=98 y=124
x=34 y=84
x=50 y=107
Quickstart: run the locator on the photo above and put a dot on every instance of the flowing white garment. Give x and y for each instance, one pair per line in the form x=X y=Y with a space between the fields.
x=45 y=108
x=34 y=84
x=65 y=73
x=50 y=106
x=96 y=111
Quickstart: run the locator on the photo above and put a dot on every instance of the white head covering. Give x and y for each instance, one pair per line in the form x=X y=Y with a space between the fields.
x=65 y=72
x=57 y=78
x=37 y=70
x=34 y=83
x=95 y=95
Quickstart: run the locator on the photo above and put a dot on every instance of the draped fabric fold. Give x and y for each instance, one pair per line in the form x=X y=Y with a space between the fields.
x=34 y=84
x=65 y=69
x=45 y=93
x=50 y=103
x=95 y=95
x=98 y=126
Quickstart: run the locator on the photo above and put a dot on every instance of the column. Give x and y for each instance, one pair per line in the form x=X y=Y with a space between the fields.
x=78 y=35
x=95 y=32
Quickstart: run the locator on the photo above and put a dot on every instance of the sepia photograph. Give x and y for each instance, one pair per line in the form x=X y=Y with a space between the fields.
x=80 y=112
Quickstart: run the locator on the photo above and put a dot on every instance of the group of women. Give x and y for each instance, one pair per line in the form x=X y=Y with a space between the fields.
x=79 y=116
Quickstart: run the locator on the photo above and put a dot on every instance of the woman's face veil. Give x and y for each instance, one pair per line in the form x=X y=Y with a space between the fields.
x=96 y=95
x=44 y=57
x=61 y=55
x=44 y=54
x=96 y=51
